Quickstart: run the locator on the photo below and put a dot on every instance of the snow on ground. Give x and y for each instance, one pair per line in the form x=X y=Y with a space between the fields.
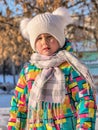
x=5 y=100
x=4 y=109
x=4 y=116
x=9 y=78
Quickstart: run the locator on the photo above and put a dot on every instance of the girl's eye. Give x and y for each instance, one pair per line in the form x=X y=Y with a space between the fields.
x=49 y=37
x=39 y=38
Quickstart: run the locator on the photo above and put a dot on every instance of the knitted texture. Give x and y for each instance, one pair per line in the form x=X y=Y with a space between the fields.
x=51 y=23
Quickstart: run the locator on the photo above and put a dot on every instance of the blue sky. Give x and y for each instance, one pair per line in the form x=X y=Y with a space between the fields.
x=16 y=9
x=85 y=8
x=2 y=8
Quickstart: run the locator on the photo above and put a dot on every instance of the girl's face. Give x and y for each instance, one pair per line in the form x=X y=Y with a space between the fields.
x=46 y=44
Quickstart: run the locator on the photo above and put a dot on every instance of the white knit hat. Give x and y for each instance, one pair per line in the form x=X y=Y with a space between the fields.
x=51 y=23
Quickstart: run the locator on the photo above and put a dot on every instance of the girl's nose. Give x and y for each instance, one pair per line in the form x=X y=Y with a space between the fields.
x=44 y=41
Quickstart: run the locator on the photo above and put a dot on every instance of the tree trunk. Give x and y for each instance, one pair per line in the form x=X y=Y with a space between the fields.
x=4 y=78
x=13 y=72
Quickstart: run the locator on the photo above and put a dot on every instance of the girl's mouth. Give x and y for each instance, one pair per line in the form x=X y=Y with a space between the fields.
x=46 y=48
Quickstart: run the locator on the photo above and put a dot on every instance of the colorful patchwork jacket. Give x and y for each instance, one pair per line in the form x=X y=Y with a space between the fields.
x=78 y=112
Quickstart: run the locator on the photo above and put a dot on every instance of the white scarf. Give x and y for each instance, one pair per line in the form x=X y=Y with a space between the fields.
x=51 y=75
x=49 y=85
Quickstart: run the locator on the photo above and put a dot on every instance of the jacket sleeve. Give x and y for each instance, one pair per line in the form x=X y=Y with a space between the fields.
x=84 y=100
x=18 y=110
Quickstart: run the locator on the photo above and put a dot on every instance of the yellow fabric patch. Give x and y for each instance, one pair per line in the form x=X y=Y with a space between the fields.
x=78 y=120
x=64 y=108
x=91 y=112
x=60 y=121
x=11 y=124
x=87 y=125
x=32 y=75
x=86 y=85
x=68 y=48
x=36 y=125
x=48 y=127
x=17 y=125
x=49 y=114
x=19 y=89
x=22 y=81
x=73 y=84
x=63 y=65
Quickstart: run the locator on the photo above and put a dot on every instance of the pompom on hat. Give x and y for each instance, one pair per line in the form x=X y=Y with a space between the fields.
x=51 y=23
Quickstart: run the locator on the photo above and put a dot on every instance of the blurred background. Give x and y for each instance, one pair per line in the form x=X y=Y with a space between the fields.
x=16 y=51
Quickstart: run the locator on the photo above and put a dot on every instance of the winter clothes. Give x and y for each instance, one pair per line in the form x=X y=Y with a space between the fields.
x=77 y=112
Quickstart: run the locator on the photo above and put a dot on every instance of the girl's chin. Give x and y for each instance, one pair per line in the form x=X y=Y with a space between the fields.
x=47 y=53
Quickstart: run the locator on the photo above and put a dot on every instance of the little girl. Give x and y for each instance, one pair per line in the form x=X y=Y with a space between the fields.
x=55 y=90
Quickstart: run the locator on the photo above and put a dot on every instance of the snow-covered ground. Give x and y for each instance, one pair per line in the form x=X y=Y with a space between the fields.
x=8 y=78
x=5 y=98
